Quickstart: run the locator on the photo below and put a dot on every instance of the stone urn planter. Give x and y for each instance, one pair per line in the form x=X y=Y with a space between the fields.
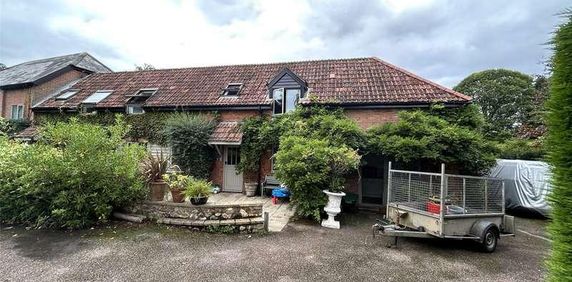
x=178 y=196
x=333 y=208
x=250 y=189
x=157 y=189
x=199 y=200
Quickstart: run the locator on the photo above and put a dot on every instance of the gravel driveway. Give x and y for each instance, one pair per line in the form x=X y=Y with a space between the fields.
x=303 y=251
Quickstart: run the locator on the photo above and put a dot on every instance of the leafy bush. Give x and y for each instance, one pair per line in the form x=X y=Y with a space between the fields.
x=72 y=178
x=560 y=153
x=308 y=166
x=419 y=140
x=9 y=127
x=197 y=188
x=188 y=136
x=521 y=149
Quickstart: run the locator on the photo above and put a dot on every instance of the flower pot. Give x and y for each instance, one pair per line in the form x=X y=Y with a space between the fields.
x=157 y=189
x=199 y=200
x=333 y=209
x=177 y=195
x=250 y=189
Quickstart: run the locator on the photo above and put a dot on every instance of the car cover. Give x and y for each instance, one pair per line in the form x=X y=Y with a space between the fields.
x=527 y=184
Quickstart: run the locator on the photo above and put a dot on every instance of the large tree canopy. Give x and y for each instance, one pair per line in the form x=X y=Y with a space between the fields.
x=505 y=97
x=560 y=153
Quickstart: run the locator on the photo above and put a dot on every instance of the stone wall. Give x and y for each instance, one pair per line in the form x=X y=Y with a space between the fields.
x=242 y=217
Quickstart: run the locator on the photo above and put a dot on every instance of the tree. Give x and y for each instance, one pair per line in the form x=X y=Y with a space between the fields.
x=143 y=67
x=421 y=140
x=560 y=152
x=504 y=96
x=3 y=66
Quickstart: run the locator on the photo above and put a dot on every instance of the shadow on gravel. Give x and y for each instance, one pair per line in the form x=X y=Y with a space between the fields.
x=45 y=244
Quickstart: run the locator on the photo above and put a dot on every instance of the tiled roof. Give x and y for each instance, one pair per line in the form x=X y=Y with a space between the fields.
x=30 y=72
x=29 y=133
x=226 y=132
x=341 y=81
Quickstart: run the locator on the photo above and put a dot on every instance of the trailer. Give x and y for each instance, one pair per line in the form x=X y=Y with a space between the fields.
x=447 y=206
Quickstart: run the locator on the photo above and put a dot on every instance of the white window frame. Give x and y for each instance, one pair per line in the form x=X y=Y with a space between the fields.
x=19 y=112
x=130 y=108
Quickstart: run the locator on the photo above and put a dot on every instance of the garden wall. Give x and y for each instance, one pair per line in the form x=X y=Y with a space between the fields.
x=242 y=217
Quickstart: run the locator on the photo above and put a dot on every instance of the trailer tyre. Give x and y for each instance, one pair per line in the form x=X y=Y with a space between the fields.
x=490 y=240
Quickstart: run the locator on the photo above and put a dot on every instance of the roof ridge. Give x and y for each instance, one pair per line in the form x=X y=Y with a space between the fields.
x=44 y=59
x=249 y=64
x=450 y=91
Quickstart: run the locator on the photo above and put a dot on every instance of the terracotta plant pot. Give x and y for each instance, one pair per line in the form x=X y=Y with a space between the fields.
x=199 y=200
x=178 y=197
x=157 y=190
x=250 y=189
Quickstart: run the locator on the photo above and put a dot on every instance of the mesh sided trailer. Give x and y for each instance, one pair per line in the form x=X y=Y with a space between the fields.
x=423 y=204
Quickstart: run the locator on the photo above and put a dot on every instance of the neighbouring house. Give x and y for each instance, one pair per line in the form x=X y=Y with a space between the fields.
x=28 y=84
x=370 y=91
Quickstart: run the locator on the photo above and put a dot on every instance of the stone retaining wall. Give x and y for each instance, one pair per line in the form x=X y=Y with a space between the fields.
x=243 y=217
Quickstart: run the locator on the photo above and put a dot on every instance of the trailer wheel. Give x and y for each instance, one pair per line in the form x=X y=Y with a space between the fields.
x=490 y=239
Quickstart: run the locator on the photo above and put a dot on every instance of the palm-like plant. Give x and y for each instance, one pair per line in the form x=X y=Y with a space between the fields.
x=153 y=167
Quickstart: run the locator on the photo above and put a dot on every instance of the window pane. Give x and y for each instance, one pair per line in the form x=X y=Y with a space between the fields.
x=20 y=112
x=291 y=99
x=14 y=112
x=278 y=100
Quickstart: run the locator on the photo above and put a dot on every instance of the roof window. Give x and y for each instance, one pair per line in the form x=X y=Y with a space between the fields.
x=66 y=95
x=144 y=92
x=97 y=96
x=232 y=89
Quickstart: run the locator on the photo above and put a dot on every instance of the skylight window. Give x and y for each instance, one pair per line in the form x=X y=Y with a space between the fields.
x=145 y=92
x=97 y=96
x=232 y=89
x=66 y=95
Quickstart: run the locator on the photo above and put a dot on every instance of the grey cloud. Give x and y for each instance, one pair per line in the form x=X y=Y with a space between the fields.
x=445 y=41
x=25 y=34
x=223 y=12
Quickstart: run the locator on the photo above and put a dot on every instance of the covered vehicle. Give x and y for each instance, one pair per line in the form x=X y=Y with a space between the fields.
x=527 y=185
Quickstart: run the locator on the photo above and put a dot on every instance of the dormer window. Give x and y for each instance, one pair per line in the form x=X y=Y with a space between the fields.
x=66 y=95
x=135 y=103
x=285 y=99
x=232 y=90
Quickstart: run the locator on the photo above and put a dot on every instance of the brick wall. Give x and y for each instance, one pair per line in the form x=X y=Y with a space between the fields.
x=32 y=95
x=367 y=118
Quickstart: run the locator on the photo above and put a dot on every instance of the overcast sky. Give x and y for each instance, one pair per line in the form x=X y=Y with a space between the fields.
x=441 y=40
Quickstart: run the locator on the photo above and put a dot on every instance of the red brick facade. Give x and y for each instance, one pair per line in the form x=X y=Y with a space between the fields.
x=367 y=118
x=35 y=94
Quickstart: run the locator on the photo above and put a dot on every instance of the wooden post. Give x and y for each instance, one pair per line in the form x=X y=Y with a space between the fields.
x=266 y=218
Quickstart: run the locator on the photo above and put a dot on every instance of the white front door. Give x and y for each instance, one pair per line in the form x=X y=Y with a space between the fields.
x=232 y=181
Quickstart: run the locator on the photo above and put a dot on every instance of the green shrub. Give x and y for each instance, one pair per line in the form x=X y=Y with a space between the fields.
x=521 y=149
x=188 y=136
x=9 y=127
x=197 y=188
x=72 y=178
x=559 y=143
x=423 y=141
x=308 y=166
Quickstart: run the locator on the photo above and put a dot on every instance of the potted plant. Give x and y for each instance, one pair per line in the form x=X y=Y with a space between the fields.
x=153 y=168
x=340 y=161
x=198 y=191
x=250 y=189
x=177 y=183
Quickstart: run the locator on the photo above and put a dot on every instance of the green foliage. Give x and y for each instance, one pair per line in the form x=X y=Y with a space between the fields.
x=504 y=96
x=467 y=116
x=422 y=140
x=153 y=168
x=308 y=166
x=9 y=127
x=521 y=149
x=72 y=178
x=188 y=136
x=560 y=153
x=197 y=188
x=176 y=181
x=258 y=136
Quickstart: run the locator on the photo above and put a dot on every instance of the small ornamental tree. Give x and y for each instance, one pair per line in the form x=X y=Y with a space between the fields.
x=423 y=141
x=188 y=135
x=308 y=166
x=560 y=153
